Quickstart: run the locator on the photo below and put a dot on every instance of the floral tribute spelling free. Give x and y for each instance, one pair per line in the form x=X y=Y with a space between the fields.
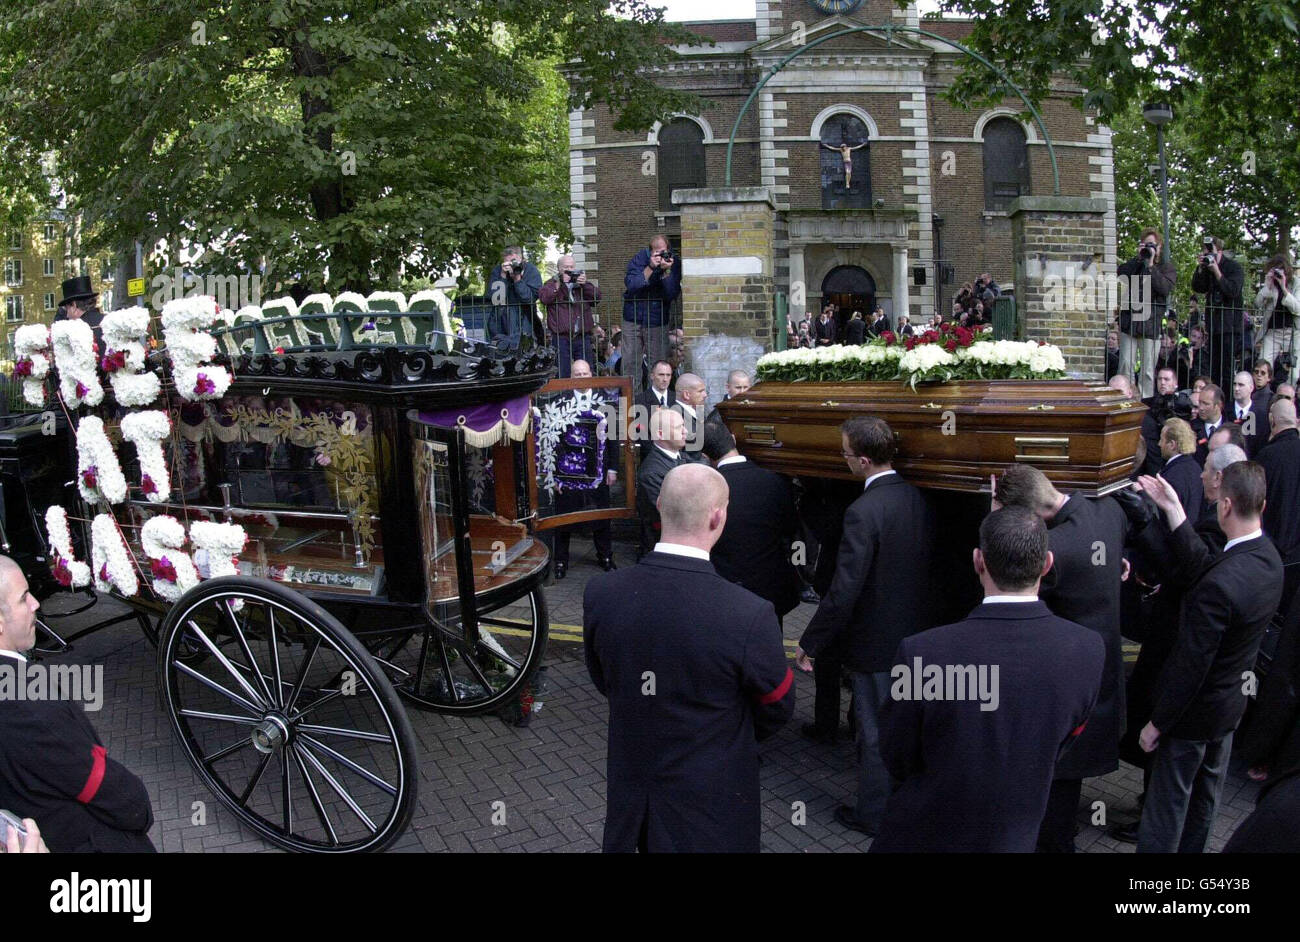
x=79 y=365
x=944 y=355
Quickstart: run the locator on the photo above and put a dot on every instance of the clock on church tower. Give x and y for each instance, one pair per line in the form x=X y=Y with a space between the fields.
x=836 y=6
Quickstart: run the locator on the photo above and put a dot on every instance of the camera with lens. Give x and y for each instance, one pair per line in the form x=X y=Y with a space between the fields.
x=575 y=275
x=516 y=267
x=1146 y=252
x=667 y=255
x=1174 y=405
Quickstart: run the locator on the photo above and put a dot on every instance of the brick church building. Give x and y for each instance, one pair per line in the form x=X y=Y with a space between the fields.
x=924 y=206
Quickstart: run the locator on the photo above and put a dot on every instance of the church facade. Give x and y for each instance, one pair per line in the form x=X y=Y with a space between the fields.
x=885 y=193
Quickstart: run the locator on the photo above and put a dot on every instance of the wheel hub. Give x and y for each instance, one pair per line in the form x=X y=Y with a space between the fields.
x=271 y=734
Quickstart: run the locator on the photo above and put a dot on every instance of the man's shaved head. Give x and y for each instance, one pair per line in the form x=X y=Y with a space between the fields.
x=668 y=428
x=691 y=500
x=1282 y=414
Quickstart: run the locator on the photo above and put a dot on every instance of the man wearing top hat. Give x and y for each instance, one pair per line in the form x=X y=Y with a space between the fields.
x=80 y=302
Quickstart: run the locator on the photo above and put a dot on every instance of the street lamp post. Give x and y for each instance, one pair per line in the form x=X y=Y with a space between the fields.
x=1161 y=114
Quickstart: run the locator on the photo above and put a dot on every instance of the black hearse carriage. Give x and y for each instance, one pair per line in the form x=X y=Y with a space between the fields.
x=386 y=494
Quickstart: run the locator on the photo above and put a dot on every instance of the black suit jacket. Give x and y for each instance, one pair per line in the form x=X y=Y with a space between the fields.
x=1184 y=475
x=976 y=780
x=694 y=427
x=883 y=589
x=696 y=673
x=641 y=431
x=650 y=478
x=855 y=331
x=1203 y=437
x=1224 y=613
x=1280 y=459
x=824 y=331
x=1084 y=587
x=1270 y=736
x=756 y=544
x=1258 y=414
x=54 y=769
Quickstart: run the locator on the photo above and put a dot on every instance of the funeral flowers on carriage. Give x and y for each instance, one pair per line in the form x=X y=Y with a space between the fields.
x=74 y=358
x=124 y=357
x=67 y=569
x=185 y=321
x=571 y=433
x=99 y=474
x=32 y=349
x=949 y=353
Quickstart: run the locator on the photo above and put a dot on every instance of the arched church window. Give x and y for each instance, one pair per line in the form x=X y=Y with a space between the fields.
x=845 y=163
x=1006 y=163
x=681 y=160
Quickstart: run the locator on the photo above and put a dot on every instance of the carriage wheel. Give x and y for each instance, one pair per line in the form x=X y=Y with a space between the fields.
x=286 y=717
x=432 y=666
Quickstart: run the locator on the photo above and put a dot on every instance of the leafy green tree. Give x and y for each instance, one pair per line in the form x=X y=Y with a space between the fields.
x=1229 y=70
x=359 y=142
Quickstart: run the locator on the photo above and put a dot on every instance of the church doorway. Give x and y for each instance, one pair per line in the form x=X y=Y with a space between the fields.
x=850 y=289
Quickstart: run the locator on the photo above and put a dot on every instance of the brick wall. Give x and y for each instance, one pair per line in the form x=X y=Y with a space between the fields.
x=1053 y=237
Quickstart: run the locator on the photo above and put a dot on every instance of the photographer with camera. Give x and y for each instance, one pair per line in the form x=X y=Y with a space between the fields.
x=653 y=282
x=1149 y=279
x=513 y=288
x=1220 y=279
x=570 y=302
x=1277 y=310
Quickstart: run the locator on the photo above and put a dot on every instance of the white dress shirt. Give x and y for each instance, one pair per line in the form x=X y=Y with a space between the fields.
x=671 y=454
x=734 y=459
x=879 y=474
x=1253 y=535
x=999 y=599
x=18 y=654
x=677 y=549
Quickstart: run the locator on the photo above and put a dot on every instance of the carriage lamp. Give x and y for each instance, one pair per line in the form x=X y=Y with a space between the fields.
x=1160 y=114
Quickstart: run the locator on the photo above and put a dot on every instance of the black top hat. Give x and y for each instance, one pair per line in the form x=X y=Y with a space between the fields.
x=77 y=289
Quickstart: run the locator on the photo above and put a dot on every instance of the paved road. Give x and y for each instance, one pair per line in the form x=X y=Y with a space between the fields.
x=550 y=775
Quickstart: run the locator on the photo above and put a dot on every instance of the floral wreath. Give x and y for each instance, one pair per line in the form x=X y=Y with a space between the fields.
x=99 y=475
x=191 y=350
x=146 y=430
x=174 y=574
x=221 y=543
x=32 y=347
x=124 y=357
x=111 y=560
x=568 y=428
x=67 y=569
x=74 y=356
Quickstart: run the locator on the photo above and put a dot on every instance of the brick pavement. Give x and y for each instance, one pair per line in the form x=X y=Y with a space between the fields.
x=550 y=775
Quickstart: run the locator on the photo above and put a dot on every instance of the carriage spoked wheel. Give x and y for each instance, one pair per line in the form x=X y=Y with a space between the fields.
x=287 y=718
x=434 y=667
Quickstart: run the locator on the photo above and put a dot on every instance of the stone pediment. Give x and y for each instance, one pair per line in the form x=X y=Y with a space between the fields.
x=874 y=226
x=898 y=43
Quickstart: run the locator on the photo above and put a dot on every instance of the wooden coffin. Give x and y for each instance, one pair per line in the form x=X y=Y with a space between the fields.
x=953 y=436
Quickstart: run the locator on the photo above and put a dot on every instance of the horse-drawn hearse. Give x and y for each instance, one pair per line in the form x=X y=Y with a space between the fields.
x=326 y=510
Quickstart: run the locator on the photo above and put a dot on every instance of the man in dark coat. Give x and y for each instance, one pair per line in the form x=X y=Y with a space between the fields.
x=668 y=438
x=652 y=282
x=856 y=330
x=824 y=329
x=1220 y=279
x=1208 y=404
x=1280 y=459
x=882 y=592
x=1181 y=469
x=975 y=762
x=1202 y=694
x=1160 y=407
x=80 y=302
x=53 y=767
x=1087 y=538
x=696 y=674
x=570 y=302
x=756 y=546
x=1149 y=278
x=513 y=288
x=1249 y=415
x=1270 y=748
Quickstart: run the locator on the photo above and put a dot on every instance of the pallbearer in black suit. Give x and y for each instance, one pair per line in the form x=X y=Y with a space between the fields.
x=696 y=675
x=1087 y=537
x=667 y=439
x=1181 y=469
x=1250 y=415
x=882 y=592
x=660 y=395
x=692 y=393
x=53 y=767
x=1208 y=405
x=1203 y=690
x=981 y=711
x=756 y=546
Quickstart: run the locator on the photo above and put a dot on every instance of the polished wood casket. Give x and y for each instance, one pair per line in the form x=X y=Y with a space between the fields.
x=951 y=436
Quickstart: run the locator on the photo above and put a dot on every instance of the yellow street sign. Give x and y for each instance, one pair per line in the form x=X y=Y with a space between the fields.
x=134 y=287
